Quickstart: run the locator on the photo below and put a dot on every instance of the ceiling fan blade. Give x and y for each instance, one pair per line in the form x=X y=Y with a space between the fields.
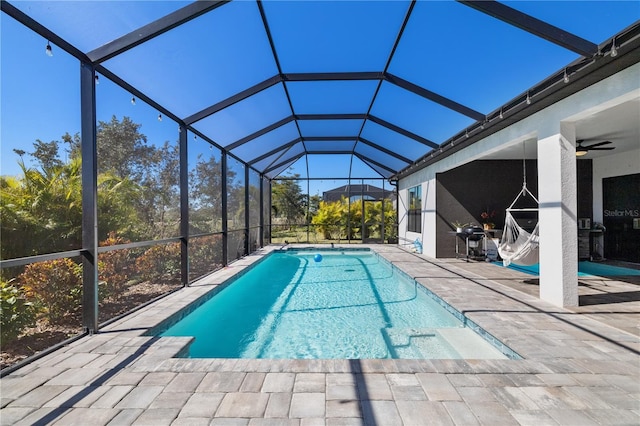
x=599 y=149
x=597 y=144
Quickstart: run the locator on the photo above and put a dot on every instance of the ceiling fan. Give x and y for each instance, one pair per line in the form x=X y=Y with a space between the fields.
x=583 y=149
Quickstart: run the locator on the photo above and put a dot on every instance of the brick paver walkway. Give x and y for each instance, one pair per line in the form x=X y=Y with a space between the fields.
x=578 y=368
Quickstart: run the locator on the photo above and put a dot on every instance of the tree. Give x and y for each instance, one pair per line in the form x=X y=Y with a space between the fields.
x=328 y=218
x=314 y=206
x=118 y=208
x=162 y=191
x=138 y=192
x=124 y=156
x=288 y=200
x=41 y=210
x=122 y=149
x=205 y=192
x=254 y=203
x=47 y=154
x=235 y=200
x=74 y=144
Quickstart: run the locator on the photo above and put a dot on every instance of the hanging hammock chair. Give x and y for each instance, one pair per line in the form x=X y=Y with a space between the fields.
x=518 y=246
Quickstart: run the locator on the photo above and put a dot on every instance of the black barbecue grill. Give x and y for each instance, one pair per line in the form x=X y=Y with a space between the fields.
x=472 y=236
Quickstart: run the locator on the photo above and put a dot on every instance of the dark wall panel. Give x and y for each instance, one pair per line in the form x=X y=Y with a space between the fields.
x=621 y=216
x=585 y=189
x=462 y=194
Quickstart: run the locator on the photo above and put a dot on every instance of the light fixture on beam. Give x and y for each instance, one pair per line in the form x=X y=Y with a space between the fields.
x=159 y=117
x=133 y=100
x=614 y=51
x=48 y=49
x=97 y=79
x=501 y=115
x=528 y=99
x=566 y=76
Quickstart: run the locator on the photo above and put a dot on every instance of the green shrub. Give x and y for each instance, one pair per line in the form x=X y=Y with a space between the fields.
x=205 y=254
x=160 y=262
x=56 y=286
x=113 y=267
x=16 y=313
x=328 y=217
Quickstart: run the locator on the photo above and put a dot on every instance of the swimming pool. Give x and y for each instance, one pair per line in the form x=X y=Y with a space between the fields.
x=349 y=304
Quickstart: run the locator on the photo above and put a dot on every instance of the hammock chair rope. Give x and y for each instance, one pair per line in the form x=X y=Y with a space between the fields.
x=517 y=245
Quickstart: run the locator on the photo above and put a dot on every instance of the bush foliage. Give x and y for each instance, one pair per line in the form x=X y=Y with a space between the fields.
x=16 y=312
x=160 y=262
x=205 y=255
x=341 y=219
x=56 y=287
x=114 y=267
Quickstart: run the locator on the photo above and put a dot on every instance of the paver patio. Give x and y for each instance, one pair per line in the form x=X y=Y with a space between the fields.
x=579 y=366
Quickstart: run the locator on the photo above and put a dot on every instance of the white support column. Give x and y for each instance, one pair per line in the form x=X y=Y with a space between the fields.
x=558 y=218
x=429 y=217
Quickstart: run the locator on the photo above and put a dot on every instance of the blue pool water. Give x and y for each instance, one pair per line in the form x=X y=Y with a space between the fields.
x=585 y=269
x=349 y=305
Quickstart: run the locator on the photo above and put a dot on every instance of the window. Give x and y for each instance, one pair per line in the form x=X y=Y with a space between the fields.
x=415 y=209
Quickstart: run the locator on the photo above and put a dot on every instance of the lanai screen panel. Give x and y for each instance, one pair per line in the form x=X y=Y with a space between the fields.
x=480 y=61
x=374 y=155
x=380 y=170
x=205 y=187
x=201 y=62
x=29 y=225
x=236 y=187
x=277 y=171
x=91 y=24
x=592 y=20
x=283 y=162
x=329 y=146
x=267 y=162
x=394 y=141
x=360 y=169
x=337 y=36
x=247 y=116
x=268 y=142
x=417 y=114
x=329 y=165
x=331 y=97
x=330 y=127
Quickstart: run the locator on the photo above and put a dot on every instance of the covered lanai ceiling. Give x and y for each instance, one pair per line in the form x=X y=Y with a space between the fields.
x=385 y=82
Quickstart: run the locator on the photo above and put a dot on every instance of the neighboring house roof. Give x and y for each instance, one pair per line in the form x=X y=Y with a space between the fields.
x=369 y=192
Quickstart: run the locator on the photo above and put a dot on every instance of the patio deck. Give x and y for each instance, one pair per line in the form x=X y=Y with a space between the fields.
x=580 y=366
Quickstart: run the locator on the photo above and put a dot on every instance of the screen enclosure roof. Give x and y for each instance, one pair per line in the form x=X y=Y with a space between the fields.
x=387 y=83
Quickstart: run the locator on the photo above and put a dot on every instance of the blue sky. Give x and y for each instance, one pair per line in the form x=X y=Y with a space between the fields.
x=477 y=61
